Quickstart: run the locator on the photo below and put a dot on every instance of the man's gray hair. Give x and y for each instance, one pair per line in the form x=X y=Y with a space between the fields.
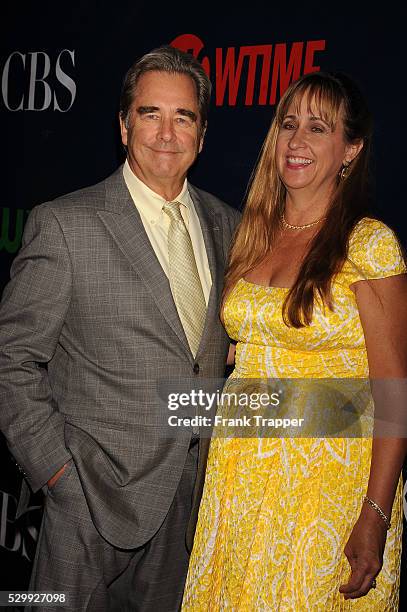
x=171 y=60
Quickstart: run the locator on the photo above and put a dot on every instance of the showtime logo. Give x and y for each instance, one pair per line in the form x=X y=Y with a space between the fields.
x=255 y=74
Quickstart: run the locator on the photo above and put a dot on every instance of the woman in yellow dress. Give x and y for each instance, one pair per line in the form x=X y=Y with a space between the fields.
x=316 y=289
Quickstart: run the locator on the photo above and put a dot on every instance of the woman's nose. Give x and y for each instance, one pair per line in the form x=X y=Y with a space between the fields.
x=297 y=139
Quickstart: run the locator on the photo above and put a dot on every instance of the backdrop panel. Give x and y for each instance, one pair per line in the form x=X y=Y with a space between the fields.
x=61 y=67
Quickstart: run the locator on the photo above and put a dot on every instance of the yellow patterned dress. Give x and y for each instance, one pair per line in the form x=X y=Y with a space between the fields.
x=276 y=513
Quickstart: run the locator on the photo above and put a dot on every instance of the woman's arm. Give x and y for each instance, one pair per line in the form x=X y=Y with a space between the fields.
x=231 y=355
x=382 y=308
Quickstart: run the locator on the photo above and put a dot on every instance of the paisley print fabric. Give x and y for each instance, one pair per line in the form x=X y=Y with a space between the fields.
x=276 y=513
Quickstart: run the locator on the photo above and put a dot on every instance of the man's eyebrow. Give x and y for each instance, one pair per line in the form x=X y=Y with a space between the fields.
x=187 y=113
x=143 y=110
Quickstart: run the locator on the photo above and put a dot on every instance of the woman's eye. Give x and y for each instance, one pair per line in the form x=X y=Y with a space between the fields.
x=288 y=126
x=151 y=116
x=318 y=129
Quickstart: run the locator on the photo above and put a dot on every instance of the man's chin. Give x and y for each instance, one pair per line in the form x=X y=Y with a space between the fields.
x=167 y=172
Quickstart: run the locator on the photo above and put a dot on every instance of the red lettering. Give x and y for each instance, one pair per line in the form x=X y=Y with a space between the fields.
x=227 y=74
x=312 y=47
x=229 y=67
x=265 y=74
x=253 y=52
x=286 y=74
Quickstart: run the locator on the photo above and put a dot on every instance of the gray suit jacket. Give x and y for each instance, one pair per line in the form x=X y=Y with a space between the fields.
x=89 y=298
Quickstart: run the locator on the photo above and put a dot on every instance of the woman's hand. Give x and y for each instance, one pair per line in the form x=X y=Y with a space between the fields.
x=364 y=551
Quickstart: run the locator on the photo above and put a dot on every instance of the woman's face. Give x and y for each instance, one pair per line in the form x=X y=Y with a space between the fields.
x=309 y=154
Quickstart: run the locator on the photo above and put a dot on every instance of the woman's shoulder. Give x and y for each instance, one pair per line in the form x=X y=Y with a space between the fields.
x=369 y=228
x=374 y=250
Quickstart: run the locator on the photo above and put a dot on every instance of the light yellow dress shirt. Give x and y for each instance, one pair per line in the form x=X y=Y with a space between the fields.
x=156 y=223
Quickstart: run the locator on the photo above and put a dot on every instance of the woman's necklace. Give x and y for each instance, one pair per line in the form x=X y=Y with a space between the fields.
x=299 y=227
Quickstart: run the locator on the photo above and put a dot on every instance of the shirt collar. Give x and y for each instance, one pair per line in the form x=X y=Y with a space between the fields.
x=148 y=202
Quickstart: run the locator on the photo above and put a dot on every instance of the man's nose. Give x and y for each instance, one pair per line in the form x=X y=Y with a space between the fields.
x=166 y=131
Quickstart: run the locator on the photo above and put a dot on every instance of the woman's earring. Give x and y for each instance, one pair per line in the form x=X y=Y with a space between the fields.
x=344 y=173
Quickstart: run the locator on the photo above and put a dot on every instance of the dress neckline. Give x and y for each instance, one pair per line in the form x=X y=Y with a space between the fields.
x=247 y=282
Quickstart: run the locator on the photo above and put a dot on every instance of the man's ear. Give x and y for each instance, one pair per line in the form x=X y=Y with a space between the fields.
x=202 y=137
x=123 y=129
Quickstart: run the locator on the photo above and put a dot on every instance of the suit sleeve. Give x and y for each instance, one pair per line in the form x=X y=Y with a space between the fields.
x=32 y=314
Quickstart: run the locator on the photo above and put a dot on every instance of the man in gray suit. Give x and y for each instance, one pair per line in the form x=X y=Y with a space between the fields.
x=117 y=287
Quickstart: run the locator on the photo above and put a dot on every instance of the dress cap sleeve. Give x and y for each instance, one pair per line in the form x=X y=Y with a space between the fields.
x=374 y=251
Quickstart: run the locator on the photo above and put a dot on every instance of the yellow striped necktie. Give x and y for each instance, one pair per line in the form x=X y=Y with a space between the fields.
x=184 y=278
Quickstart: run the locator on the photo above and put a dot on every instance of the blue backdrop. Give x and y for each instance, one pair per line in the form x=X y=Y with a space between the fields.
x=62 y=64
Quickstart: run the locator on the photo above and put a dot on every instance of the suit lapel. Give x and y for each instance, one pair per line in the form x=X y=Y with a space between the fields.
x=124 y=224
x=212 y=235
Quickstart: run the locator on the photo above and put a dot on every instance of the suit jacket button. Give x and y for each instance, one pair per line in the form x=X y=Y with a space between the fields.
x=196 y=368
